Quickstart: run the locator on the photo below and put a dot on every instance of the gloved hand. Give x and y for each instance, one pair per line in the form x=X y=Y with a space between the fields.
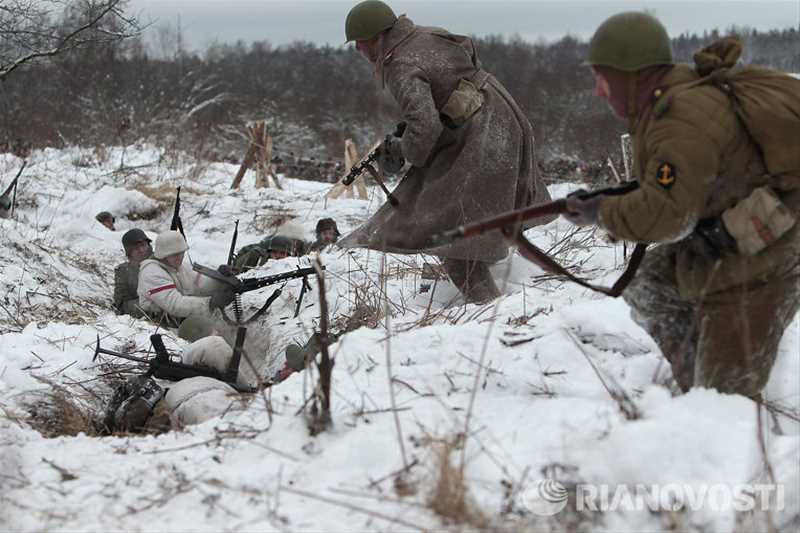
x=583 y=211
x=226 y=270
x=392 y=155
x=222 y=296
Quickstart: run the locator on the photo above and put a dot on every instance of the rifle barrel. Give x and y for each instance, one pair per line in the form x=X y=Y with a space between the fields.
x=14 y=181
x=231 y=252
x=252 y=284
x=508 y=219
x=176 y=213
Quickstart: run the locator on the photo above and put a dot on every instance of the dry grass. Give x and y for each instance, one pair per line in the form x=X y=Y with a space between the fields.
x=56 y=414
x=450 y=497
x=163 y=193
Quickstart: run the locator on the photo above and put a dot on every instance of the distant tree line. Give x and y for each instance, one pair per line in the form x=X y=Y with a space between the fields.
x=312 y=97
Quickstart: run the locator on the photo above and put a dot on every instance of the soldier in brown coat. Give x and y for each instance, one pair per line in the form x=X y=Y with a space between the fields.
x=716 y=309
x=470 y=146
x=126 y=275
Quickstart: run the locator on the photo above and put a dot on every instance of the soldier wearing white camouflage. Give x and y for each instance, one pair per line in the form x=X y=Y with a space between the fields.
x=168 y=287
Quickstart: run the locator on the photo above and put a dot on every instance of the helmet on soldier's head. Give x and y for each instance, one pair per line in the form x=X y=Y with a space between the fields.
x=279 y=243
x=169 y=243
x=102 y=216
x=630 y=41
x=132 y=237
x=325 y=224
x=367 y=19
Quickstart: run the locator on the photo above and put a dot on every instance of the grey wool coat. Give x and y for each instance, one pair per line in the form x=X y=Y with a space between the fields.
x=459 y=174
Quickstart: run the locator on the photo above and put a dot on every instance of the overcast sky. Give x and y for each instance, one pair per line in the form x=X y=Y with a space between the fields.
x=322 y=21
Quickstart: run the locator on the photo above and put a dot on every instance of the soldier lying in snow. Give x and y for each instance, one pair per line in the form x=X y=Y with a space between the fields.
x=275 y=247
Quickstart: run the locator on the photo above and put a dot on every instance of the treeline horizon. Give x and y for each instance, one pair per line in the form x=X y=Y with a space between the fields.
x=312 y=97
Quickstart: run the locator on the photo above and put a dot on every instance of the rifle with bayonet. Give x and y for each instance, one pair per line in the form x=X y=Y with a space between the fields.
x=163 y=367
x=511 y=225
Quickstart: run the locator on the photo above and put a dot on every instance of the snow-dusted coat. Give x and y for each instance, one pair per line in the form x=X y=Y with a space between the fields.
x=459 y=175
x=177 y=293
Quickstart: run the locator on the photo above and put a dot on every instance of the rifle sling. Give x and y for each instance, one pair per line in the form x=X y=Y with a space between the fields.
x=531 y=252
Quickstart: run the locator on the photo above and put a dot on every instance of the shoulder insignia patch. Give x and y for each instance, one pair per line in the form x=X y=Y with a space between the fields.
x=665 y=175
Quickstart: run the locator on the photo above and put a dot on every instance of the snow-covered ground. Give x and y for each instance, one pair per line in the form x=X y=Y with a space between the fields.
x=512 y=389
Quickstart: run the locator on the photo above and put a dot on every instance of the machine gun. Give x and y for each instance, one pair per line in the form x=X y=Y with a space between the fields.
x=366 y=165
x=241 y=286
x=163 y=367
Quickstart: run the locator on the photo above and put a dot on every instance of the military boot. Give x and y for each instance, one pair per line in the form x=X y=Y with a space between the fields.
x=473 y=279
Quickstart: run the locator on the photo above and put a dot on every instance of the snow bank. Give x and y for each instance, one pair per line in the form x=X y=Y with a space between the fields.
x=540 y=405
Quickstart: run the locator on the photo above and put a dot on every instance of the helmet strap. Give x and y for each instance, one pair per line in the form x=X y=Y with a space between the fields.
x=630 y=107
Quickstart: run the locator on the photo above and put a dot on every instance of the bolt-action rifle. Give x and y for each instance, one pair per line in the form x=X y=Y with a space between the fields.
x=163 y=367
x=511 y=225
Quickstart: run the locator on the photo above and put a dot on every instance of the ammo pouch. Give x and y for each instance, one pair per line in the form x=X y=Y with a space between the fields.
x=464 y=101
x=758 y=220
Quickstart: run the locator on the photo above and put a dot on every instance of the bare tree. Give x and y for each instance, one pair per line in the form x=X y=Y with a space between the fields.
x=32 y=30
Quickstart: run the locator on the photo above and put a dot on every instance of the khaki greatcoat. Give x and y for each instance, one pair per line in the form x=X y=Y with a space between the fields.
x=459 y=175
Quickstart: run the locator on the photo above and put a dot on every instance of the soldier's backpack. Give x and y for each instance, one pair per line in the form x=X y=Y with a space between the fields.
x=767 y=103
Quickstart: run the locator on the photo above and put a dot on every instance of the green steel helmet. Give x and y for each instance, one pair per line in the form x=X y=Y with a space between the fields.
x=133 y=236
x=629 y=42
x=367 y=19
x=280 y=243
x=325 y=224
x=102 y=216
